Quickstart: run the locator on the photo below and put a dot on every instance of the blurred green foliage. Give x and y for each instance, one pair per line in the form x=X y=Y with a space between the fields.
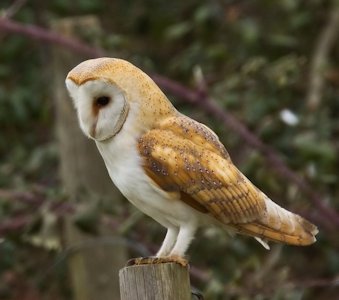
x=255 y=56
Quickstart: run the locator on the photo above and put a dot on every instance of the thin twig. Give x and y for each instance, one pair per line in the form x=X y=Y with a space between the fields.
x=191 y=96
x=27 y=197
x=36 y=199
x=319 y=61
x=15 y=224
x=315 y=283
x=13 y=9
x=270 y=290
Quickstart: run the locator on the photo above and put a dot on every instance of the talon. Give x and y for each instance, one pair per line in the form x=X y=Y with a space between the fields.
x=131 y=262
x=178 y=259
x=141 y=261
x=157 y=260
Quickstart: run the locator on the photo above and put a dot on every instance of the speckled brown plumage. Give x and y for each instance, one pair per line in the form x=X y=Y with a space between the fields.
x=185 y=157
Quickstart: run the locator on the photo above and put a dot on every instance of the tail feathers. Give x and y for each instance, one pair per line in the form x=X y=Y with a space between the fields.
x=280 y=225
x=263 y=233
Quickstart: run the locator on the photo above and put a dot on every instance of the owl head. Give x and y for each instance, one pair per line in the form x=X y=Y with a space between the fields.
x=107 y=92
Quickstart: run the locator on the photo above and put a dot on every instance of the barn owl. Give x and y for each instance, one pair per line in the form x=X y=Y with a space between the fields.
x=171 y=167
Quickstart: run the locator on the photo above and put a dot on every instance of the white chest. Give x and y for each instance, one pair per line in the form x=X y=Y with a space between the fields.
x=124 y=166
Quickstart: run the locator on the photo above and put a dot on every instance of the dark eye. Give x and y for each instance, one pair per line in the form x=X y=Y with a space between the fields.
x=102 y=101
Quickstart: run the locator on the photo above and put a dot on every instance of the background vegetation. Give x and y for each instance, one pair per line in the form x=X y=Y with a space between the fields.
x=261 y=61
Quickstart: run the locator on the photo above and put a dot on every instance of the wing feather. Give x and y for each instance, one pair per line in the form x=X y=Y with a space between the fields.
x=185 y=156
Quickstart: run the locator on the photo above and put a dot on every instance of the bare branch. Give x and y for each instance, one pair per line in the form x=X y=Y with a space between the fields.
x=40 y=34
x=325 y=41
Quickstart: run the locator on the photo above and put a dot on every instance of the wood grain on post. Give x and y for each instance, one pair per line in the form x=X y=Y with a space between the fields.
x=166 y=281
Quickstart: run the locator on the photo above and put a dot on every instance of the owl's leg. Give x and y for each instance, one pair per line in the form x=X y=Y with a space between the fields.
x=185 y=236
x=168 y=243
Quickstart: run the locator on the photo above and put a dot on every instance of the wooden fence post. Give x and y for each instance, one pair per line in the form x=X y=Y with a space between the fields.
x=166 y=281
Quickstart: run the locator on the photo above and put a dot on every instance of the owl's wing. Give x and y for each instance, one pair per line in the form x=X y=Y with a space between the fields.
x=186 y=157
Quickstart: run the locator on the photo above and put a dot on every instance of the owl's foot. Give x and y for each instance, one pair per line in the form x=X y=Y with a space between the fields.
x=158 y=260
